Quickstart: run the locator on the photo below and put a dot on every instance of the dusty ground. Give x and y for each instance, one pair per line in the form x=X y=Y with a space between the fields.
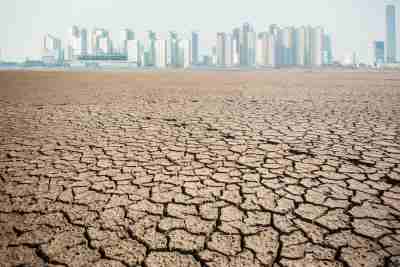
x=199 y=169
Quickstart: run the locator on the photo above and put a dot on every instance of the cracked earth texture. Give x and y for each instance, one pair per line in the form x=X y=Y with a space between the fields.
x=199 y=169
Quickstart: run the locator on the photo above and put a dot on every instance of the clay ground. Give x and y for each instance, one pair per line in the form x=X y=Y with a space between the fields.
x=199 y=169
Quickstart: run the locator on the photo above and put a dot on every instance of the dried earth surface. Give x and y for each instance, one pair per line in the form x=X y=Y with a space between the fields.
x=199 y=169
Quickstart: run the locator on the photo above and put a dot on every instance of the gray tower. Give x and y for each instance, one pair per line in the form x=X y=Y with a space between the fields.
x=390 y=34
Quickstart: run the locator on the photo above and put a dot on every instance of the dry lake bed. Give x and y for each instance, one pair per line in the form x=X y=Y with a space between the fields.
x=199 y=169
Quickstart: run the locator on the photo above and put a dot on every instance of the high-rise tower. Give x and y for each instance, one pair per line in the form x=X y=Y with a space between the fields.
x=390 y=33
x=195 y=48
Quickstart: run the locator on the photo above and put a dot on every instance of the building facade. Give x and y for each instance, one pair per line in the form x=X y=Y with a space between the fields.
x=134 y=53
x=195 y=48
x=52 y=50
x=161 y=53
x=379 y=52
x=317 y=39
x=220 y=49
x=391 y=43
x=125 y=36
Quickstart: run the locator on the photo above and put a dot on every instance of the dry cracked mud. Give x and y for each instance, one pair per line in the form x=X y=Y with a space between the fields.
x=199 y=169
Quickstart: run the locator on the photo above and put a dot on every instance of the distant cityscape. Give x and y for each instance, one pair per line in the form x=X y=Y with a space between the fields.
x=276 y=46
x=243 y=47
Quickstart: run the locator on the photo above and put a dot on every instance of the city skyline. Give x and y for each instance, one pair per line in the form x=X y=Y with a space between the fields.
x=352 y=25
x=242 y=47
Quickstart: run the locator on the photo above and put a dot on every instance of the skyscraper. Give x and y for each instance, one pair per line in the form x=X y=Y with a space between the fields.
x=220 y=47
x=125 y=36
x=149 y=49
x=236 y=46
x=327 y=53
x=77 y=43
x=271 y=61
x=317 y=39
x=308 y=46
x=265 y=50
x=134 y=54
x=300 y=46
x=261 y=49
x=185 y=53
x=228 y=50
x=379 y=52
x=101 y=42
x=391 y=34
x=52 y=51
x=195 y=48
x=172 y=49
x=288 y=46
x=247 y=45
x=161 y=53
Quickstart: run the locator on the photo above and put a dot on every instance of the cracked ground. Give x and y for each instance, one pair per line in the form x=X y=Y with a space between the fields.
x=199 y=169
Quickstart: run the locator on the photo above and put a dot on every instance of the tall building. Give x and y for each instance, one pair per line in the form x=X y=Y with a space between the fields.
x=125 y=36
x=161 y=53
x=220 y=48
x=327 y=51
x=379 y=52
x=261 y=49
x=195 y=48
x=391 y=34
x=317 y=39
x=214 y=59
x=185 y=53
x=77 y=43
x=271 y=61
x=172 y=49
x=300 y=56
x=134 y=52
x=101 y=42
x=149 y=49
x=287 y=46
x=252 y=48
x=228 y=50
x=308 y=46
x=51 y=50
x=266 y=50
x=247 y=45
x=236 y=47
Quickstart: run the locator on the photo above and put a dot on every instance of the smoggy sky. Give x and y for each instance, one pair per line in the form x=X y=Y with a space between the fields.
x=353 y=24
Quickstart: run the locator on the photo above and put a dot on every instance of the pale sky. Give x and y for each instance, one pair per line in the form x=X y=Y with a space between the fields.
x=353 y=24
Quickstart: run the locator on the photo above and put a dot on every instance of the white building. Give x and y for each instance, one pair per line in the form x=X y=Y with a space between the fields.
x=308 y=46
x=149 y=49
x=236 y=47
x=228 y=50
x=247 y=45
x=125 y=36
x=317 y=39
x=195 y=47
x=77 y=43
x=134 y=51
x=101 y=42
x=220 y=49
x=271 y=62
x=288 y=46
x=266 y=50
x=252 y=48
x=261 y=49
x=172 y=49
x=51 y=50
x=300 y=40
x=161 y=53
x=185 y=54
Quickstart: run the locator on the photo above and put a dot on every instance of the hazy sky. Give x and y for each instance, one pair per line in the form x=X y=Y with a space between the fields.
x=352 y=23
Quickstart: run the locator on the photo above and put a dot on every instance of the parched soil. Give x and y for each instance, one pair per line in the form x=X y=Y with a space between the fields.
x=199 y=169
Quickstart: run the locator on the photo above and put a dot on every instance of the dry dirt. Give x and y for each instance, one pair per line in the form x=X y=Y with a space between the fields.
x=199 y=169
